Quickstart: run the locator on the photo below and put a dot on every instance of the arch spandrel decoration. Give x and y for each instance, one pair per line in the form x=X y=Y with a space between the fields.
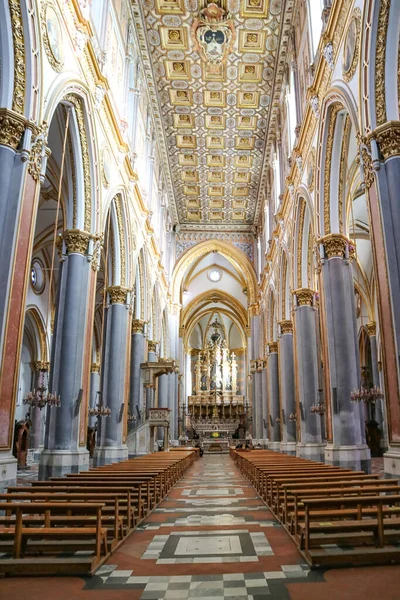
x=235 y=256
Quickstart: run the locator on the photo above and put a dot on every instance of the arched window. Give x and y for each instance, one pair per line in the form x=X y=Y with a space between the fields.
x=292 y=112
x=314 y=9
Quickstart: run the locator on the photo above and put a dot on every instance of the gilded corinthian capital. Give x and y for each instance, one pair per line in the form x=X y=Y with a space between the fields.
x=388 y=138
x=273 y=347
x=286 y=326
x=335 y=245
x=371 y=328
x=12 y=126
x=138 y=326
x=117 y=294
x=304 y=296
x=76 y=241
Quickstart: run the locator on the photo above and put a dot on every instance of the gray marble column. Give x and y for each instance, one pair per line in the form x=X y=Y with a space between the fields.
x=17 y=202
x=253 y=398
x=287 y=391
x=162 y=402
x=273 y=397
x=259 y=428
x=62 y=453
x=384 y=208
x=94 y=389
x=310 y=445
x=109 y=441
x=379 y=411
x=348 y=447
x=173 y=404
x=264 y=388
x=151 y=357
x=137 y=357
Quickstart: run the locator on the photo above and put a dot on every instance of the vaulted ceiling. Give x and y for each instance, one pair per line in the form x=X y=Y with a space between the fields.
x=213 y=112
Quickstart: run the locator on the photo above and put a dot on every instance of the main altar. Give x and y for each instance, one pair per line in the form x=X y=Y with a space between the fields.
x=216 y=410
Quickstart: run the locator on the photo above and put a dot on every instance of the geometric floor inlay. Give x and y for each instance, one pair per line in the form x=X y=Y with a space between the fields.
x=219 y=546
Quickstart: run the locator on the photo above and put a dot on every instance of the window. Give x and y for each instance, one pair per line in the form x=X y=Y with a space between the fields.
x=315 y=24
x=37 y=276
x=214 y=275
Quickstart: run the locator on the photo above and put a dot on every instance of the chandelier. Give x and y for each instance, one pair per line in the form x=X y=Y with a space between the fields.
x=366 y=393
x=100 y=411
x=318 y=409
x=40 y=396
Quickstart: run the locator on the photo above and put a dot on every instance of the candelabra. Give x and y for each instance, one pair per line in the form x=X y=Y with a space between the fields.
x=367 y=394
x=131 y=418
x=292 y=417
x=100 y=411
x=318 y=409
x=40 y=396
x=277 y=420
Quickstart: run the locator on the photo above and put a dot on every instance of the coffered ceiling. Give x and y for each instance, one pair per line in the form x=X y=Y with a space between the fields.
x=214 y=99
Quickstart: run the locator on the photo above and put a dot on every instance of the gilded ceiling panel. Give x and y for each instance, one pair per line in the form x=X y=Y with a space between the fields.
x=214 y=66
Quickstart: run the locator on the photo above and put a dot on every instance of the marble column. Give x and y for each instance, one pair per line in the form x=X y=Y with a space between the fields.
x=62 y=453
x=109 y=443
x=348 y=447
x=310 y=444
x=259 y=427
x=264 y=407
x=287 y=391
x=273 y=397
x=36 y=437
x=162 y=401
x=379 y=412
x=18 y=204
x=173 y=404
x=381 y=169
x=137 y=357
x=253 y=397
x=94 y=389
x=150 y=394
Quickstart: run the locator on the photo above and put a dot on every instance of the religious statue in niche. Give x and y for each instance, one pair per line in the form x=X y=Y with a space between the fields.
x=213 y=34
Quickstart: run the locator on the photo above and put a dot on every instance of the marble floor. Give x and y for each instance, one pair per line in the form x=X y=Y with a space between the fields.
x=211 y=538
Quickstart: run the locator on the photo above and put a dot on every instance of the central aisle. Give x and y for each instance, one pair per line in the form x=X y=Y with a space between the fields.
x=211 y=538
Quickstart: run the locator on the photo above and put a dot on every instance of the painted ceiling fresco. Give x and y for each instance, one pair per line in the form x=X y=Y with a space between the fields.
x=214 y=66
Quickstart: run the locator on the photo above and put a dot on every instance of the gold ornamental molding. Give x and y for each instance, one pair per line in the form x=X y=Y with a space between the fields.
x=286 y=326
x=118 y=294
x=304 y=296
x=273 y=347
x=78 y=105
x=18 y=99
x=328 y=165
x=76 y=240
x=371 y=328
x=12 y=127
x=388 y=138
x=335 y=245
x=118 y=210
x=380 y=62
x=95 y=368
x=138 y=326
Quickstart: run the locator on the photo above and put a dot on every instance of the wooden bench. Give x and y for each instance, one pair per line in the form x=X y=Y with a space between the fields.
x=23 y=529
x=379 y=526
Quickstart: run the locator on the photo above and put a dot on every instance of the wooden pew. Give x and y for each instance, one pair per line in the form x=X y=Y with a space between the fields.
x=23 y=529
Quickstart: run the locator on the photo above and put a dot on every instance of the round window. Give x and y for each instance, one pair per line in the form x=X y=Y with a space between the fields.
x=214 y=275
x=37 y=276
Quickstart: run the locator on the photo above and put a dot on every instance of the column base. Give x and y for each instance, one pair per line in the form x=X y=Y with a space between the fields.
x=105 y=455
x=349 y=457
x=8 y=471
x=288 y=448
x=391 y=462
x=274 y=446
x=57 y=463
x=311 y=451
